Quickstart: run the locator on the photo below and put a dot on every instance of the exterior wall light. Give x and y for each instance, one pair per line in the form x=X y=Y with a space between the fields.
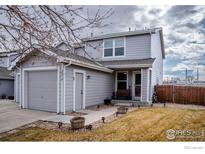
x=88 y=77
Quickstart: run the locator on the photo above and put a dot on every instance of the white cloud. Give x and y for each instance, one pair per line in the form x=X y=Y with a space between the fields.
x=184 y=34
x=180 y=67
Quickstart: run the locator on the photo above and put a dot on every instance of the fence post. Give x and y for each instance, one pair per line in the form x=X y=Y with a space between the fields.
x=173 y=92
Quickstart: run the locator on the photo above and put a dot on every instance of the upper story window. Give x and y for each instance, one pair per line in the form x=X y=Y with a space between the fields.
x=114 y=47
x=108 y=48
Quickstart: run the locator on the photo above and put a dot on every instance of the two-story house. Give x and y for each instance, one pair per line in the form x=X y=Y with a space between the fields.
x=120 y=66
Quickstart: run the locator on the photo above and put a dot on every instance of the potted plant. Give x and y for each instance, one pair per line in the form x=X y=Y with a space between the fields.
x=3 y=96
x=77 y=123
x=11 y=97
x=154 y=98
x=107 y=101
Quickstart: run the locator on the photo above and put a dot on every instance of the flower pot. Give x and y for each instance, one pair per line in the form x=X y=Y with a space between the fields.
x=122 y=110
x=11 y=97
x=77 y=122
x=107 y=101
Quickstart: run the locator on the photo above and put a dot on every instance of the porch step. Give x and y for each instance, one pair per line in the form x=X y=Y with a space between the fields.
x=128 y=103
x=123 y=104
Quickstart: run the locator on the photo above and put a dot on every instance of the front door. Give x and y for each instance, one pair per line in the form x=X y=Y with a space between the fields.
x=137 y=85
x=79 y=91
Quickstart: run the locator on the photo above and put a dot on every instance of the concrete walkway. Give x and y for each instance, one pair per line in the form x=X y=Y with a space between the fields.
x=90 y=117
x=11 y=116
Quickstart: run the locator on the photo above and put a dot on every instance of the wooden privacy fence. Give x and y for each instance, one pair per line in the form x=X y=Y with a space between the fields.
x=181 y=94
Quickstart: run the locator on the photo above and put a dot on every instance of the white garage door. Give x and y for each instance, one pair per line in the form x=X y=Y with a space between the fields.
x=42 y=90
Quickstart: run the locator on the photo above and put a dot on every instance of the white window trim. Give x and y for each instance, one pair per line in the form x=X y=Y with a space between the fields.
x=74 y=87
x=113 y=44
x=20 y=95
x=17 y=88
x=133 y=84
x=113 y=48
x=149 y=85
x=58 y=89
x=64 y=88
x=116 y=81
x=38 y=69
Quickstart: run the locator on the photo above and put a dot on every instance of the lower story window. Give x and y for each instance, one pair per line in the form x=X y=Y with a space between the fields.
x=122 y=80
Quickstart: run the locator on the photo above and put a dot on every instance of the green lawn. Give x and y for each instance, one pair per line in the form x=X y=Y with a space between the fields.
x=145 y=124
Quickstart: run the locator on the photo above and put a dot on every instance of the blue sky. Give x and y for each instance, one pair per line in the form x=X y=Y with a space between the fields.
x=184 y=33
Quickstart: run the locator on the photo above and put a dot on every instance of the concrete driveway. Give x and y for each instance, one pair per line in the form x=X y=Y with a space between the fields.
x=11 y=116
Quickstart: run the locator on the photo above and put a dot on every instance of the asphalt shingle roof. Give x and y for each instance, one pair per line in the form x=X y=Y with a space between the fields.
x=112 y=35
x=75 y=56
x=127 y=62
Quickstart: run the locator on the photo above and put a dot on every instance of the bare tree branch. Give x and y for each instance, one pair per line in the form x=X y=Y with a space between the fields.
x=22 y=27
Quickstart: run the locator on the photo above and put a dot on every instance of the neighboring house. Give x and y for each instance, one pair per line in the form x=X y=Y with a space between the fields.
x=7 y=57
x=120 y=66
x=6 y=79
x=6 y=83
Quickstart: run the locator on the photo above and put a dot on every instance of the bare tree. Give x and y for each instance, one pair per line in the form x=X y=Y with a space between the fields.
x=24 y=27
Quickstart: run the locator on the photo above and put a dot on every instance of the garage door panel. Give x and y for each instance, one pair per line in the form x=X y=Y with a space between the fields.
x=42 y=90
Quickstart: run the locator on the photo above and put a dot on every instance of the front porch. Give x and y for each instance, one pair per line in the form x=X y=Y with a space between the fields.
x=133 y=79
x=133 y=86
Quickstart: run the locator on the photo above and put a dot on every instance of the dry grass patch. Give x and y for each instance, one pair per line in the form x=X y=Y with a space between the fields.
x=145 y=124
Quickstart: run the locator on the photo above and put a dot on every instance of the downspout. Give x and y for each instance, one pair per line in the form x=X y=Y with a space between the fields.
x=64 y=84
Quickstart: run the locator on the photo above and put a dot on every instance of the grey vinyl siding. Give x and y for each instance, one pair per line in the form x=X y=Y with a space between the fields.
x=69 y=89
x=98 y=87
x=157 y=67
x=80 y=51
x=39 y=60
x=136 y=47
x=144 y=90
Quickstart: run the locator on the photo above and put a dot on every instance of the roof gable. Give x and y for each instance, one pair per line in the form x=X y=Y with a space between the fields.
x=62 y=58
